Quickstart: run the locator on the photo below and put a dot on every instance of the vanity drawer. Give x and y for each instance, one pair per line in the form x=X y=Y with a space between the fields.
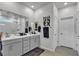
x=26 y=39
x=25 y=49
x=26 y=45
x=32 y=37
x=11 y=41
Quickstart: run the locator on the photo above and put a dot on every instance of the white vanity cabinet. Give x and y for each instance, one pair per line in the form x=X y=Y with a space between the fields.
x=34 y=41
x=20 y=46
x=25 y=45
x=12 y=47
x=77 y=45
x=29 y=43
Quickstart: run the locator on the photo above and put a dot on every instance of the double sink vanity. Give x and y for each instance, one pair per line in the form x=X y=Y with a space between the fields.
x=19 y=45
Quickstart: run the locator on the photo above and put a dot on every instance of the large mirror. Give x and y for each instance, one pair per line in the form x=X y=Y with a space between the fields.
x=7 y=25
x=11 y=22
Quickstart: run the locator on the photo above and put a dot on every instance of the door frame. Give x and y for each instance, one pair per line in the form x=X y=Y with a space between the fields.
x=58 y=41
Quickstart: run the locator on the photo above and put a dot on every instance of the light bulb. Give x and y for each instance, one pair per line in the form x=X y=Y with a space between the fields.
x=32 y=6
x=65 y=3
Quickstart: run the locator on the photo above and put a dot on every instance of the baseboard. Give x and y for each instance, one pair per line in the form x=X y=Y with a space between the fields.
x=53 y=50
x=68 y=47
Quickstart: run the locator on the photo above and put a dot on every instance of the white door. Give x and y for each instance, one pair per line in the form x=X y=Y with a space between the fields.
x=66 y=32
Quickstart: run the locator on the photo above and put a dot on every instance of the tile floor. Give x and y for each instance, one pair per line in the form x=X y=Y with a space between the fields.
x=60 y=51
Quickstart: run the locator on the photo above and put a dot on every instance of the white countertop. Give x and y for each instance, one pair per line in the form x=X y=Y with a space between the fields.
x=17 y=37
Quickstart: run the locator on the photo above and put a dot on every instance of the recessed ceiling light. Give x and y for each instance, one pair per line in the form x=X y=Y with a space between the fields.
x=65 y=3
x=32 y=6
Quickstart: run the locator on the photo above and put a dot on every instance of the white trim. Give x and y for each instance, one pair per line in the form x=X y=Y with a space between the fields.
x=53 y=49
x=59 y=30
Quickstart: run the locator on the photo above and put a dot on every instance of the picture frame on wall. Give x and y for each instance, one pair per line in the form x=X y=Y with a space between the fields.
x=46 y=21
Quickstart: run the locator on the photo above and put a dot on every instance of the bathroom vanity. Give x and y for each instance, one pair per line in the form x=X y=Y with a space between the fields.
x=19 y=45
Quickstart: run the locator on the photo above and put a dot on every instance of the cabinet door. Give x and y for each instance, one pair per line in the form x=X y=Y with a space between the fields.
x=8 y=50
x=77 y=45
x=25 y=45
x=12 y=49
x=37 y=40
x=17 y=49
x=5 y=50
x=32 y=42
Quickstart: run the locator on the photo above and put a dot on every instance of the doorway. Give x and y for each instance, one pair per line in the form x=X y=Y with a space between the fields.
x=66 y=32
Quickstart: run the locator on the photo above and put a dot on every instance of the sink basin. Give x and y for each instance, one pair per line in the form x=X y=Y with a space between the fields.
x=33 y=33
x=21 y=34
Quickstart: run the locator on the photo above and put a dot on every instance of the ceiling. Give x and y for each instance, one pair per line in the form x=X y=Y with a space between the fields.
x=41 y=4
x=61 y=4
x=35 y=4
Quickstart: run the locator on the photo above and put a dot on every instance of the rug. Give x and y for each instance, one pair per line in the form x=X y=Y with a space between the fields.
x=35 y=52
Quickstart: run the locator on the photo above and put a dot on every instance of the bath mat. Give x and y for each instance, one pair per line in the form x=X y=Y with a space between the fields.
x=35 y=52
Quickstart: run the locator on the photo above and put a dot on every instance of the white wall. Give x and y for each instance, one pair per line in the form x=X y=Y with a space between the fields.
x=78 y=6
x=55 y=26
x=68 y=11
x=48 y=10
x=39 y=14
